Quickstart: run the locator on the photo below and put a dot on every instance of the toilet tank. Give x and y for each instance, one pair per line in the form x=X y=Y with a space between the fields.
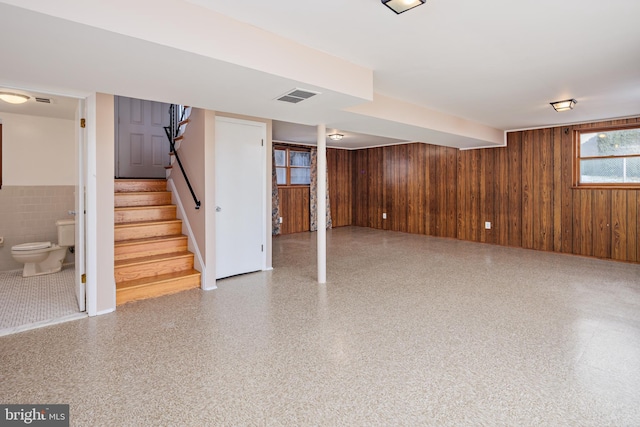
x=66 y=232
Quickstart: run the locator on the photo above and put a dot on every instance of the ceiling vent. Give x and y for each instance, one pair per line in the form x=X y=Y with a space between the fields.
x=43 y=100
x=296 y=95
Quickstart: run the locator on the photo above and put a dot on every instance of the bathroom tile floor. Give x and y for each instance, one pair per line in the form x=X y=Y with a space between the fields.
x=409 y=331
x=30 y=302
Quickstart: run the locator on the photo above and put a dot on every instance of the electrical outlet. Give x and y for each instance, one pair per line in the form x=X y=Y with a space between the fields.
x=487 y=225
x=384 y=215
x=280 y=220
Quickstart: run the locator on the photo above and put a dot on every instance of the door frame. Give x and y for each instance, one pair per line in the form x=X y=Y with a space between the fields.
x=80 y=217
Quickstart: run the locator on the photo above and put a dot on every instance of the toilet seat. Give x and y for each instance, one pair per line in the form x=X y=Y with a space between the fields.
x=31 y=246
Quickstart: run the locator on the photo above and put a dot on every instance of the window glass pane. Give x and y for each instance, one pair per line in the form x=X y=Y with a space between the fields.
x=620 y=170
x=281 y=174
x=610 y=143
x=299 y=158
x=300 y=176
x=632 y=169
x=281 y=158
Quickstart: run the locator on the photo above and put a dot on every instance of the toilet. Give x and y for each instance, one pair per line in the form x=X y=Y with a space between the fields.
x=45 y=257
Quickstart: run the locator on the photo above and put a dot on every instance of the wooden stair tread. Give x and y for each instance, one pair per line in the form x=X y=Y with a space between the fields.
x=152 y=258
x=142 y=198
x=130 y=185
x=166 y=284
x=139 y=193
x=142 y=223
x=147 y=281
x=157 y=239
x=139 y=180
x=142 y=207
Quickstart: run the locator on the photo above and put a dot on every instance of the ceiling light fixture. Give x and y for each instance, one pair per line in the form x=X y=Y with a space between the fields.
x=336 y=136
x=564 y=105
x=13 y=98
x=399 y=6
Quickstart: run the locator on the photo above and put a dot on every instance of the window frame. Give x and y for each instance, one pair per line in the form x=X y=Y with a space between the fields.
x=288 y=166
x=577 y=132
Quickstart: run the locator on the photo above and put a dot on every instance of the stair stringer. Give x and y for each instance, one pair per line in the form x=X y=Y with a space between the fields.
x=193 y=244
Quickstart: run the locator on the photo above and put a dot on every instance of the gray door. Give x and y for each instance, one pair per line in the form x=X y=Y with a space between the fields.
x=142 y=147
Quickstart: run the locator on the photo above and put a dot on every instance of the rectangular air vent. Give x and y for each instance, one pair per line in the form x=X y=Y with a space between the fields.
x=43 y=100
x=296 y=95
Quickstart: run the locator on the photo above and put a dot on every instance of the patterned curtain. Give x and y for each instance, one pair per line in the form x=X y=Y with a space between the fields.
x=275 y=196
x=313 y=190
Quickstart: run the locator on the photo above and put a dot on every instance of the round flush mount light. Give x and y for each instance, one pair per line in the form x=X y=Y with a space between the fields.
x=13 y=98
x=336 y=136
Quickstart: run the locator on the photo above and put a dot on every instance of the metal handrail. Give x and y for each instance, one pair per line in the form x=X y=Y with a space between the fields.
x=172 y=133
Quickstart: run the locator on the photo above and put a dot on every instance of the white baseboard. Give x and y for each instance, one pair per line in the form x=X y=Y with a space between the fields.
x=107 y=311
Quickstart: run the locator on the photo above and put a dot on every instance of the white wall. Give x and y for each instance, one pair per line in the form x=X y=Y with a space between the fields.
x=37 y=150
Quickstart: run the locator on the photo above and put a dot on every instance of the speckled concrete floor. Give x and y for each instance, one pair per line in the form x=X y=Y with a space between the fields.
x=409 y=330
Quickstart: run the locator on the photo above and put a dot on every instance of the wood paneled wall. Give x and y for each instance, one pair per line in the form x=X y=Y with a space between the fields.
x=294 y=201
x=340 y=171
x=414 y=184
x=525 y=191
x=294 y=209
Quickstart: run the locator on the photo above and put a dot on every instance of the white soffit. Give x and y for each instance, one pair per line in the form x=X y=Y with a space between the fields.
x=239 y=75
x=433 y=123
x=192 y=28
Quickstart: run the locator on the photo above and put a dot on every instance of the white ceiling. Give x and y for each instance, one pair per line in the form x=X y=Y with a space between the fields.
x=497 y=62
x=450 y=72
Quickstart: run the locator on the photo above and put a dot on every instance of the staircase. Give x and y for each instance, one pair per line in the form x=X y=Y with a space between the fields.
x=151 y=256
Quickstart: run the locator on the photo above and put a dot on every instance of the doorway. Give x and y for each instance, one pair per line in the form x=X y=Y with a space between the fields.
x=43 y=184
x=142 y=146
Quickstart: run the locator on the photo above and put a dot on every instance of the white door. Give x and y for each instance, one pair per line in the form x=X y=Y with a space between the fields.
x=81 y=164
x=142 y=146
x=240 y=196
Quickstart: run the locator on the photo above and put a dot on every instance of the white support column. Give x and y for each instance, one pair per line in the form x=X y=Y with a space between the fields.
x=322 y=203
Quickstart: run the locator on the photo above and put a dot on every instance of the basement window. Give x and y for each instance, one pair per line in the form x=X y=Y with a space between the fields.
x=293 y=166
x=608 y=157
